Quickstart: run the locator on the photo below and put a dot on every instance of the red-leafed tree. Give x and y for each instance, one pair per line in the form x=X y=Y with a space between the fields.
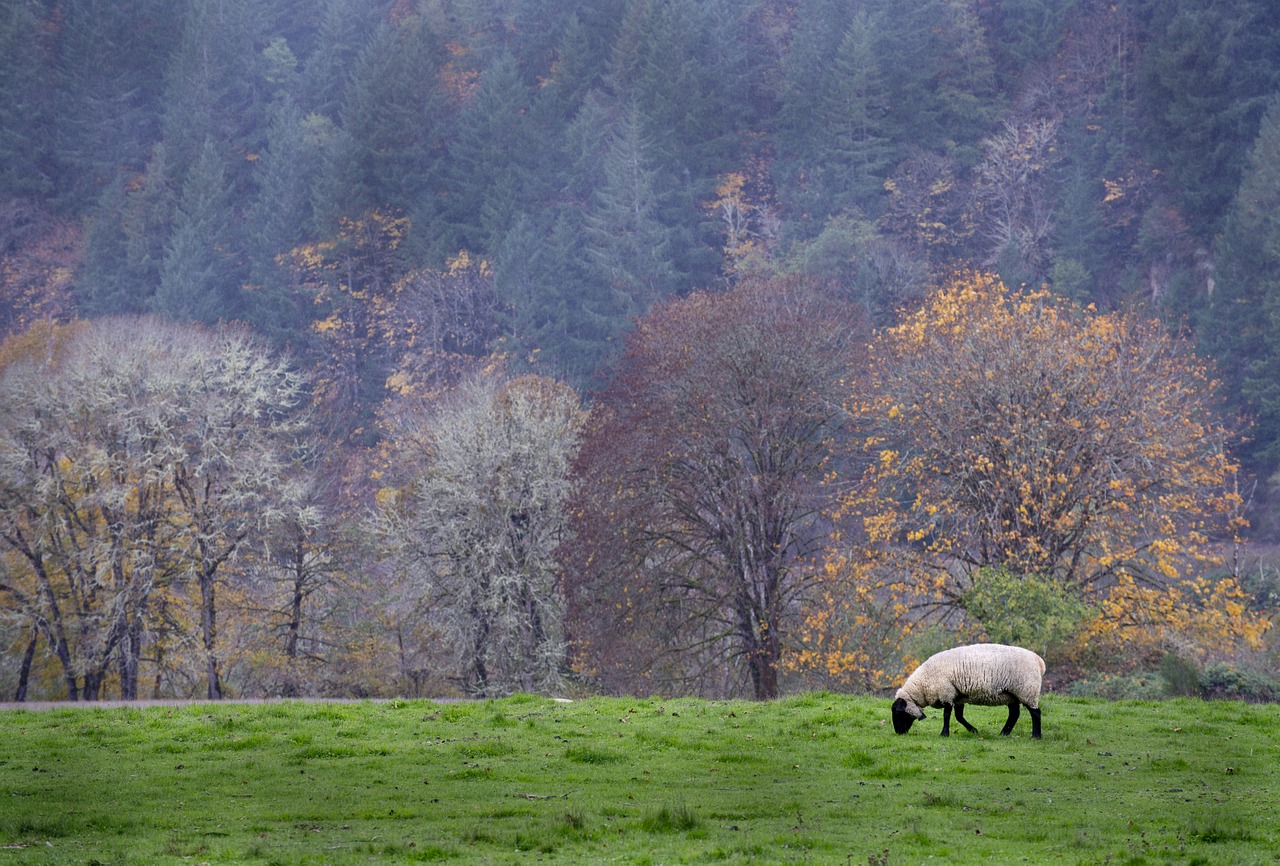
x=703 y=488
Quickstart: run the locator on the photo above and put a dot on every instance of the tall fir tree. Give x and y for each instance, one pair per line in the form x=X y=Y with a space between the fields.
x=280 y=216
x=214 y=87
x=111 y=61
x=1241 y=327
x=1205 y=74
x=200 y=275
x=345 y=28
x=630 y=249
x=26 y=164
x=493 y=175
x=397 y=119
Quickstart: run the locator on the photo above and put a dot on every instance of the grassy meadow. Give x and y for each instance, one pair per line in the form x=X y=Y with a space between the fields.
x=818 y=778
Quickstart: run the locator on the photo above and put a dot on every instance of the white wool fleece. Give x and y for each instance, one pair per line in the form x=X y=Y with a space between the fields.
x=986 y=674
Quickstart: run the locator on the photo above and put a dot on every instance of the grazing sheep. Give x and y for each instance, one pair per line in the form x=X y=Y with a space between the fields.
x=986 y=674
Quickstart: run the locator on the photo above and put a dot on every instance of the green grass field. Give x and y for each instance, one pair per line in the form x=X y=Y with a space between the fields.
x=812 y=779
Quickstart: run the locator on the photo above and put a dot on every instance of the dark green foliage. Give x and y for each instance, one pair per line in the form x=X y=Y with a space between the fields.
x=493 y=160
x=1241 y=327
x=109 y=97
x=1205 y=74
x=345 y=26
x=1228 y=682
x=836 y=131
x=281 y=213
x=25 y=110
x=215 y=88
x=199 y=277
x=1216 y=681
x=578 y=149
x=396 y=118
x=1036 y=612
x=1181 y=676
x=129 y=231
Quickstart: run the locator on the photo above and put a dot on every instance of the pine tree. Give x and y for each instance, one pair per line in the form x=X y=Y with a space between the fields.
x=396 y=115
x=346 y=26
x=25 y=161
x=1204 y=76
x=199 y=279
x=629 y=247
x=213 y=91
x=856 y=147
x=492 y=171
x=279 y=218
x=938 y=63
x=108 y=99
x=1241 y=328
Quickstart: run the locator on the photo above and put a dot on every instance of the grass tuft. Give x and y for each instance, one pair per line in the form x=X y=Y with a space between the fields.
x=671 y=819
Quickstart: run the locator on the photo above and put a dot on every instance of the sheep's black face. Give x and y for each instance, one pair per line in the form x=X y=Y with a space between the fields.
x=901 y=718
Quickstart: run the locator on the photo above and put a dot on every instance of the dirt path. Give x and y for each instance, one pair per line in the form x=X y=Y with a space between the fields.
x=89 y=705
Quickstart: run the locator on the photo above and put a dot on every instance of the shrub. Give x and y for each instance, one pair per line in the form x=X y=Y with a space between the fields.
x=1030 y=610
x=1119 y=687
x=1226 y=681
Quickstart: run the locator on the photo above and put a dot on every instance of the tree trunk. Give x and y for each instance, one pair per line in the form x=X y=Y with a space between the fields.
x=130 y=656
x=24 y=671
x=209 y=624
x=92 y=690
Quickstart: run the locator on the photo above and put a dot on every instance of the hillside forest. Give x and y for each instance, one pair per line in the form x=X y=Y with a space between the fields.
x=715 y=347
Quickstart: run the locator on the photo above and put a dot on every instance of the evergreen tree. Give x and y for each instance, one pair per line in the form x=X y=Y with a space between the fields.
x=492 y=171
x=938 y=63
x=1241 y=329
x=1025 y=34
x=279 y=217
x=815 y=36
x=1204 y=76
x=853 y=152
x=107 y=285
x=25 y=161
x=628 y=246
x=128 y=231
x=199 y=278
x=580 y=59
x=534 y=286
x=395 y=114
x=346 y=26
x=111 y=59
x=213 y=91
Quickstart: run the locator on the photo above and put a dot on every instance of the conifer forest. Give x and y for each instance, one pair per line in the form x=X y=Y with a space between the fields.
x=687 y=347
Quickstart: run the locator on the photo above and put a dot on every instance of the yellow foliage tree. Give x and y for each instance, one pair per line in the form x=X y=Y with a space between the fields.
x=1015 y=430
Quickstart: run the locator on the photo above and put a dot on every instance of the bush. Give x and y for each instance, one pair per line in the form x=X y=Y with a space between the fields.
x=1217 y=681
x=1226 y=681
x=1029 y=610
x=1120 y=687
x=1181 y=676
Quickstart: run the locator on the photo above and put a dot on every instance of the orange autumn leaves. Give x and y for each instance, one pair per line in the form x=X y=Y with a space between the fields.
x=1015 y=430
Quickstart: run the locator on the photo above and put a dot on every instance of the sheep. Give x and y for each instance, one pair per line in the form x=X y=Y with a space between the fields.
x=987 y=674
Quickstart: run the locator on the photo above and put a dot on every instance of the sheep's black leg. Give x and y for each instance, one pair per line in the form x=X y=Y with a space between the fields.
x=961 y=719
x=1015 y=709
x=946 y=720
x=1035 y=722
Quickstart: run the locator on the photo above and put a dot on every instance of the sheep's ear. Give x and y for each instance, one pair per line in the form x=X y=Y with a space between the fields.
x=901 y=705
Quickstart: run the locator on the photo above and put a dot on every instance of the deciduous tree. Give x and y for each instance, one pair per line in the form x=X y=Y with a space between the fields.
x=1014 y=430
x=703 y=491
x=480 y=521
x=136 y=457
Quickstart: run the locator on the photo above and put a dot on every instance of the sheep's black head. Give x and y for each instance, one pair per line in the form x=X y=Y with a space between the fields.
x=904 y=713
